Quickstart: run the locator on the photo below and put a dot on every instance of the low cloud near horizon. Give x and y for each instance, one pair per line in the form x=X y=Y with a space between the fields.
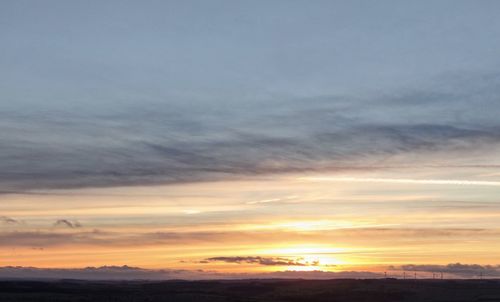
x=452 y=270
x=456 y=269
x=136 y=273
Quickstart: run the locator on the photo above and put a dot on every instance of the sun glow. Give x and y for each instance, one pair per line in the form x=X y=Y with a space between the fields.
x=306 y=249
x=311 y=257
x=311 y=225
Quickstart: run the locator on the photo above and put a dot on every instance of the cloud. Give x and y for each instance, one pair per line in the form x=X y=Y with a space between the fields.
x=80 y=237
x=46 y=239
x=8 y=220
x=271 y=261
x=285 y=199
x=105 y=238
x=164 y=144
x=136 y=273
x=456 y=269
x=460 y=182
x=91 y=273
x=67 y=223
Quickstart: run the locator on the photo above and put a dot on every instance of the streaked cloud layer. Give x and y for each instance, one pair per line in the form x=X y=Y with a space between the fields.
x=88 y=124
x=249 y=138
x=50 y=151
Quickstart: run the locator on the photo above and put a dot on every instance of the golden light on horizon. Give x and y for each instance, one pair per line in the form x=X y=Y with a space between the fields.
x=317 y=225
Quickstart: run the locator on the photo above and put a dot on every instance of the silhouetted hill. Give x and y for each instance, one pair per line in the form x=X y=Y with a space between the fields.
x=342 y=290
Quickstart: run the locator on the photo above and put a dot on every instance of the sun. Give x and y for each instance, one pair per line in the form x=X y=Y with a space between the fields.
x=310 y=257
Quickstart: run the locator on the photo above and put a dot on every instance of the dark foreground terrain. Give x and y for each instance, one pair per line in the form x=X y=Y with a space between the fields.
x=253 y=290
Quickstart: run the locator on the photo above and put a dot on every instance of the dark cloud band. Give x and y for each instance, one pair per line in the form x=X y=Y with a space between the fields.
x=161 y=144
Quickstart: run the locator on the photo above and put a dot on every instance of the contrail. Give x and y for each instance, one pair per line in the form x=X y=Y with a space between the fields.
x=408 y=181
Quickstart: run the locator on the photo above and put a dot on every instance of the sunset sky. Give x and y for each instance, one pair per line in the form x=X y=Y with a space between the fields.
x=213 y=139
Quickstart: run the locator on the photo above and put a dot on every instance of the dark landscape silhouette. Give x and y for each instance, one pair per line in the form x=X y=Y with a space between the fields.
x=340 y=290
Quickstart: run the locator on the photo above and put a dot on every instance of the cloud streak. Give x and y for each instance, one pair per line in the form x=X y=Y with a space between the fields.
x=99 y=238
x=459 y=182
x=8 y=220
x=67 y=223
x=267 y=261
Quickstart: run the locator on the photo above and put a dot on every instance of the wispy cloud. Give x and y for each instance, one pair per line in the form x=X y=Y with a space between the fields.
x=459 y=182
x=8 y=220
x=274 y=200
x=67 y=223
x=170 y=144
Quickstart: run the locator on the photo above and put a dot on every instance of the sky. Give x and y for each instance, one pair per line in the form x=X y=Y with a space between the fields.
x=230 y=139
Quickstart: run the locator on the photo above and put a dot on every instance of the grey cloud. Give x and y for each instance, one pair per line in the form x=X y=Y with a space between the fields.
x=67 y=223
x=46 y=239
x=275 y=92
x=116 y=154
x=457 y=269
x=8 y=220
x=161 y=144
x=104 y=238
x=271 y=261
x=92 y=273
x=135 y=273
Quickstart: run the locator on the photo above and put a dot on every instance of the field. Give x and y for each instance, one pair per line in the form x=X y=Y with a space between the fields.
x=252 y=290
